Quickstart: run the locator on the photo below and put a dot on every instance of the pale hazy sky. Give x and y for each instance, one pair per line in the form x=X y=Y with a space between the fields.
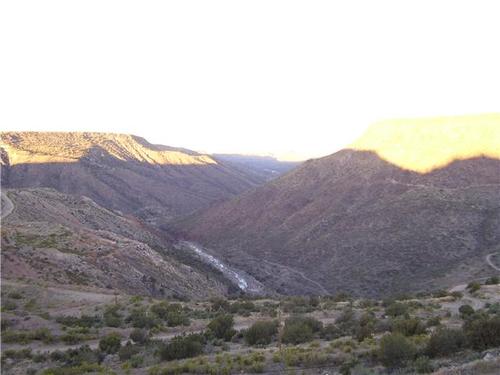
x=244 y=76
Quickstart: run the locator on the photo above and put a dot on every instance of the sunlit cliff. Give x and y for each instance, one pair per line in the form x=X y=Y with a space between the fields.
x=422 y=145
x=54 y=147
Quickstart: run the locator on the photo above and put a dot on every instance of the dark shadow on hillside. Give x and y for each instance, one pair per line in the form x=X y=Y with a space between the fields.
x=354 y=222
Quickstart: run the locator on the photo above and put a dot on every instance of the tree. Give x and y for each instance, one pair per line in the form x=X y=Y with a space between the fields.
x=395 y=350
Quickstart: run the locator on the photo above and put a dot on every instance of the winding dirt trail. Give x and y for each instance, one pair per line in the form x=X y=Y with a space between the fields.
x=490 y=262
x=301 y=274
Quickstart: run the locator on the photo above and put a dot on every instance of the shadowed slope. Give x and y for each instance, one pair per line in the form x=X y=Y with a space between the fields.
x=354 y=222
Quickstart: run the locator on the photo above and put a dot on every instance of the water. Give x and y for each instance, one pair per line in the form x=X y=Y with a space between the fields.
x=244 y=282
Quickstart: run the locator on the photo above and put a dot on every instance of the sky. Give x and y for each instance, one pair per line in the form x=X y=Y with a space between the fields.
x=294 y=79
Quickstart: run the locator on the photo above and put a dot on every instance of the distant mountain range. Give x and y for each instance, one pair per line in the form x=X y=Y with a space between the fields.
x=412 y=205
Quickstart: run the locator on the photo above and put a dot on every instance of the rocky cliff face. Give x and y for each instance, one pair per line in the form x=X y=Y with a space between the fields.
x=408 y=203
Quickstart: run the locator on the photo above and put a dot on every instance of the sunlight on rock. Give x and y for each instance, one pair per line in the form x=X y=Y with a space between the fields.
x=425 y=144
x=59 y=147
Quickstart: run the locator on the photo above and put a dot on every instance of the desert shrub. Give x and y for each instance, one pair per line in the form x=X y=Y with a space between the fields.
x=473 y=286
x=396 y=309
x=408 y=326
x=261 y=333
x=182 y=347
x=76 y=357
x=110 y=344
x=15 y=295
x=222 y=326
x=72 y=338
x=16 y=354
x=395 y=350
x=445 y=341
x=139 y=336
x=112 y=316
x=136 y=360
x=25 y=337
x=300 y=304
x=74 y=370
x=87 y=321
x=299 y=329
x=220 y=305
x=440 y=294
x=465 y=311
x=457 y=295
x=493 y=308
x=433 y=321
x=483 y=332
x=8 y=305
x=494 y=280
x=244 y=308
x=127 y=351
x=365 y=327
x=141 y=318
x=173 y=314
x=423 y=365
x=330 y=332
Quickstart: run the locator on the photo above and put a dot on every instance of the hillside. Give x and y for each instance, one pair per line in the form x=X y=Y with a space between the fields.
x=121 y=172
x=406 y=205
x=66 y=240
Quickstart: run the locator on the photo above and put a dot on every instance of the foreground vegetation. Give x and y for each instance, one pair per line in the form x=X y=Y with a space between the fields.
x=132 y=334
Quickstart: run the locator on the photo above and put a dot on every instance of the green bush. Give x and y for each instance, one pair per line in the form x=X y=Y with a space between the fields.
x=396 y=309
x=182 y=347
x=74 y=370
x=465 y=311
x=408 y=326
x=446 y=341
x=83 y=321
x=422 y=365
x=110 y=344
x=173 y=314
x=72 y=338
x=127 y=351
x=297 y=333
x=395 y=350
x=483 y=332
x=141 y=318
x=494 y=280
x=473 y=286
x=139 y=336
x=112 y=316
x=261 y=333
x=25 y=337
x=222 y=327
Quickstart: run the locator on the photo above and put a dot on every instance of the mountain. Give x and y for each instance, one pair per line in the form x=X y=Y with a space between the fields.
x=121 y=172
x=412 y=205
x=266 y=167
x=68 y=240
